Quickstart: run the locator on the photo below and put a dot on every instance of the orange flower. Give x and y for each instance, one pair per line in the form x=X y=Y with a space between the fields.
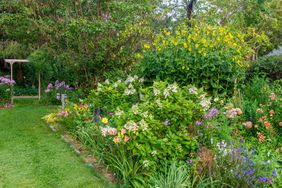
x=267 y=124
x=264 y=117
x=261 y=137
x=271 y=112
x=280 y=124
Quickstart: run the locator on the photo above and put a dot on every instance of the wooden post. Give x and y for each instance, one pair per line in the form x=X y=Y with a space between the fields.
x=11 y=78
x=39 y=86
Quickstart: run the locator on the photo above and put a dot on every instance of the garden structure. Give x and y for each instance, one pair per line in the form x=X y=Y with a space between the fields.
x=11 y=62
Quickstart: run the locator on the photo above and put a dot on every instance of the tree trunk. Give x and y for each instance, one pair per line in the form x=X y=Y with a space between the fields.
x=189 y=8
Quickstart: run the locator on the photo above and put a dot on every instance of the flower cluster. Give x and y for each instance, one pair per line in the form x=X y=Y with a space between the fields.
x=7 y=81
x=58 y=86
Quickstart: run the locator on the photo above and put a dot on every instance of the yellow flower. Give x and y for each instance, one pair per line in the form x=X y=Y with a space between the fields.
x=138 y=56
x=146 y=46
x=196 y=45
x=105 y=120
x=185 y=45
x=167 y=33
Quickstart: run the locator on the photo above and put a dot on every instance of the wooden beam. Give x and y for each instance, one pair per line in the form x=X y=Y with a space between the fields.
x=16 y=60
x=25 y=97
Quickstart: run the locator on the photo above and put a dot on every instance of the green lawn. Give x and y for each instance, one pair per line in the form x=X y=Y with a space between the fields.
x=31 y=155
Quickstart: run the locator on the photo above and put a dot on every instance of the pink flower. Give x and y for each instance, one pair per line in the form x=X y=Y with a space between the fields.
x=126 y=138
x=117 y=140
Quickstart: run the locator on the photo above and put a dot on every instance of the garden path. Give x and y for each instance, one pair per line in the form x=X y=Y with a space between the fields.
x=31 y=155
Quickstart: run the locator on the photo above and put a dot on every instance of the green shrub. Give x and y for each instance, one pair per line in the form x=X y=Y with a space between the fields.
x=269 y=67
x=206 y=56
x=262 y=110
x=152 y=122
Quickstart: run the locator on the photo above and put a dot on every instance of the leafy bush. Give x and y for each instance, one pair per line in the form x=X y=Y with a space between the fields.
x=53 y=93
x=262 y=107
x=5 y=90
x=207 y=56
x=156 y=126
x=269 y=67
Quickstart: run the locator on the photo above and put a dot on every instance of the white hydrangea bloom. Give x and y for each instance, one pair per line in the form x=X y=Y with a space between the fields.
x=166 y=93
x=159 y=103
x=156 y=92
x=193 y=90
x=141 y=80
x=129 y=79
x=173 y=87
x=107 y=82
x=135 y=109
x=143 y=125
x=131 y=126
x=119 y=112
x=135 y=77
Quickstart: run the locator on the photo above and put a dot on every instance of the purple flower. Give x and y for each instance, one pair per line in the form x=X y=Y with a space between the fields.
x=190 y=161
x=241 y=140
x=230 y=142
x=250 y=173
x=198 y=123
x=274 y=173
x=50 y=86
x=7 y=81
x=263 y=179
x=111 y=114
x=212 y=112
x=166 y=122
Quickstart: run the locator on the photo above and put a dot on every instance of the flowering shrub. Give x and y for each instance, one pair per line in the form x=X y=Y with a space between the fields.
x=263 y=114
x=212 y=57
x=54 y=91
x=5 y=90
x=153 y=123
x=242 y=167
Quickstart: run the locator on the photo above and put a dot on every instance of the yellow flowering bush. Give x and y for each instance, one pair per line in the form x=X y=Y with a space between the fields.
x=210 y=56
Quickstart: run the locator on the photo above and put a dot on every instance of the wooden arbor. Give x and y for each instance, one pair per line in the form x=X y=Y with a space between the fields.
x=11 y=62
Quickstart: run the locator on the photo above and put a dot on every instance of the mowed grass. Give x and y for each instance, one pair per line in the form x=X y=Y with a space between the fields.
x=31 y=155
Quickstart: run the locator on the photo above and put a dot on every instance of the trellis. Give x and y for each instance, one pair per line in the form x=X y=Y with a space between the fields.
x=11 y=63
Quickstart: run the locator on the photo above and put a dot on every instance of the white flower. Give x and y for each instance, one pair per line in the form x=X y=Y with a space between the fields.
x=156 y=92
x=135 y=77
x=159 y=103
x=193 y=90
x=119 y=112
x=131 y=126
x=129 y=79
x=107 y=82
x=153 y=153
x=146 y=163
x=143 y=125
x=141 y=80
x=115 y=84
x=119 y=81
x=216 y=99
x=104 y=131
x=145 y=114
x=166 y=93
x=205 y=103
x=135 y=109
x=173 y=87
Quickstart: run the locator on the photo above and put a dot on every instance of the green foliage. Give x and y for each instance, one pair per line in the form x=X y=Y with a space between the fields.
x=268 y=67
x=207 y=56
x=5 y=94
x=262 y=106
